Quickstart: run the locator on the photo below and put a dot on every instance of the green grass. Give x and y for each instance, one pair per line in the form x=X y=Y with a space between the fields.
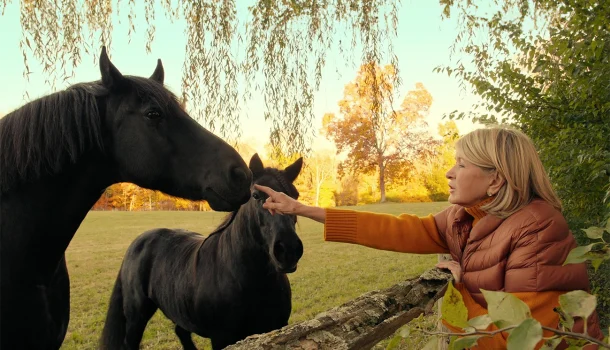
x=328 y=275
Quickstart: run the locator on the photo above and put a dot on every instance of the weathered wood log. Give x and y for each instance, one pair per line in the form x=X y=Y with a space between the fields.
x=360 y=323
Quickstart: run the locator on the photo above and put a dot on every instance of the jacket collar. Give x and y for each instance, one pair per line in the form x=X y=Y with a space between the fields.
x=484 y=227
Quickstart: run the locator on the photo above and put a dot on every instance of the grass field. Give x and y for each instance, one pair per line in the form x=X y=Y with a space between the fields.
x=328 y=275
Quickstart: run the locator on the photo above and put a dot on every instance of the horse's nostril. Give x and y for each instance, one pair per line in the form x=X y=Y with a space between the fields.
x=239 y=175
x=279 y=251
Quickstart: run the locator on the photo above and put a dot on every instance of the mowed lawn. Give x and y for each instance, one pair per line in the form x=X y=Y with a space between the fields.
x=328 y=275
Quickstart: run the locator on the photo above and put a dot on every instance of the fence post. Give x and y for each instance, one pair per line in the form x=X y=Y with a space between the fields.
x=443 y=342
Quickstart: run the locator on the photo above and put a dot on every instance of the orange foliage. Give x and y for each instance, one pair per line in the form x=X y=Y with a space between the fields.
x=129 y=197
x=376 y=135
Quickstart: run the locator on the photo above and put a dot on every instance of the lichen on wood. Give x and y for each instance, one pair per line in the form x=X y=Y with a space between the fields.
x=359 y=323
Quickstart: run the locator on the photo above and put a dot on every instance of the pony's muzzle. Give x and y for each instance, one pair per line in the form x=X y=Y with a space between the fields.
x=287 y=256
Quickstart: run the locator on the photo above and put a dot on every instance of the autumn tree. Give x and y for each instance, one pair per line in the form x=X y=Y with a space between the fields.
x=376 y=135
x=320 y=171
x=444 y=158
x=287 y=42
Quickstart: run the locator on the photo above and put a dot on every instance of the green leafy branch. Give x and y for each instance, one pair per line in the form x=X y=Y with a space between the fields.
x=511 y=315
x=530 y=325
x=596 y=252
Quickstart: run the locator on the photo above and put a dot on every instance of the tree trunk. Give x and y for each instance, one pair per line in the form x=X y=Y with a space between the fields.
x=318 y=194
x=360 y=323
x=318 y=184
x=382 y=181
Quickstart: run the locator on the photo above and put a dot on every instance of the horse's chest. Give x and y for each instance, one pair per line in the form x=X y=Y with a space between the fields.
x=259 y=294
x=238 y=305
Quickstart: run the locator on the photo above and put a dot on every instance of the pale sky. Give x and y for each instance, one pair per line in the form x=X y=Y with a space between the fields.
x=422 y=44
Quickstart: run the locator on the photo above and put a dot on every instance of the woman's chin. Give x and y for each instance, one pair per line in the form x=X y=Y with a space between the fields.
x=455 y=200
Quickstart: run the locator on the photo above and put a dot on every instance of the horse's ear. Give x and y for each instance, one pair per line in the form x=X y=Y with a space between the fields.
x=256 y=165
x=294 y=169
x=158 y=75
x=111 y=77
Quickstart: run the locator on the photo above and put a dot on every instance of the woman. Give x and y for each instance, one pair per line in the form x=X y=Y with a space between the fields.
x=505 y=230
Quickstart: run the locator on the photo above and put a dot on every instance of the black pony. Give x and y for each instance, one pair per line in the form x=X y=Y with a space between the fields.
x=58 y=154
x=225 y=287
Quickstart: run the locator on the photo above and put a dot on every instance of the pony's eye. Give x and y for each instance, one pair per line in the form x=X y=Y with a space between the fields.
x=153 y=115
x=256 y=196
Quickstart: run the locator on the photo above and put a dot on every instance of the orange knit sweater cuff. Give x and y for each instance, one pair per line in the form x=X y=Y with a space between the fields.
x=341 y=226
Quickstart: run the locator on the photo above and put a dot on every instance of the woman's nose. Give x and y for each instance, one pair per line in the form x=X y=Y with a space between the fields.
x=449 y=174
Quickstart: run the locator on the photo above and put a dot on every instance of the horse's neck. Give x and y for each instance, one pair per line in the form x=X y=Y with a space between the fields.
x=40 y=218
x=240 y=240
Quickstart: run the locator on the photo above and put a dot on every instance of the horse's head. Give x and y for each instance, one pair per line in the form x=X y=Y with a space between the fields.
x=278 y=231
x=156 y=144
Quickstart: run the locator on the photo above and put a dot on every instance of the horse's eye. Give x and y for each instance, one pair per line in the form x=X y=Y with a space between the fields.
x=153 y=115
x=256 y=196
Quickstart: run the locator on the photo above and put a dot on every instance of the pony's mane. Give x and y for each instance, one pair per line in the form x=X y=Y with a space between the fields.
x=287 y=188
x=45 y=135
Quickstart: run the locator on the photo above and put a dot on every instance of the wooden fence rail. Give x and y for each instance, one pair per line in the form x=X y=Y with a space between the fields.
x=360 y=323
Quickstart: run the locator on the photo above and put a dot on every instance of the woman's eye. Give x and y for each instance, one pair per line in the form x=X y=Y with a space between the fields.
x=153 y=115
x=256 y=196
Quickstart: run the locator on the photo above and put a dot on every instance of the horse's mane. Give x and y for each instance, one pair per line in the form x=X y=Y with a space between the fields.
x=45 y=135
x=287 y=188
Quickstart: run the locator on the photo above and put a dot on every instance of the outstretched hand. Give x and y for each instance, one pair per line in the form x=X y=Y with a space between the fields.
x=279 y=202
x=454 y=267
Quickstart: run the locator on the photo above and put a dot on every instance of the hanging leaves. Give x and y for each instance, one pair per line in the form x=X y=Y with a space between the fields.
x=278 y=49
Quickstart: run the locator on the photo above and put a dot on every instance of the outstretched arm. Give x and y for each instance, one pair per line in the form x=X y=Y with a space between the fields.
x=280 y=203
x=404 y=233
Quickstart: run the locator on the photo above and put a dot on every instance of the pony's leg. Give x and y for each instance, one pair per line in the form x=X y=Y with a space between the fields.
x=222 y=341
x=185 y=338
x=137 y=316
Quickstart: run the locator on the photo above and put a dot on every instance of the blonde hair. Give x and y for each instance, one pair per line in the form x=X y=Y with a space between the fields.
x=512 y=154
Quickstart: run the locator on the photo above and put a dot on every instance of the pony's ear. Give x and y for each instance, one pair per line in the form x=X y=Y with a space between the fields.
x=256 y=165
x=158 y=75
x=293 y=170
x=111 y=77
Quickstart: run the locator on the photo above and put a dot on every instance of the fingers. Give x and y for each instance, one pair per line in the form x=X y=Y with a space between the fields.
x=454 y=267
x=446 y=264
x=272 y=206
x=269 y=204
x=269 y=191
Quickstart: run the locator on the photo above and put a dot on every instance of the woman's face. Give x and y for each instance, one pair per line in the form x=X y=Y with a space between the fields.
x=468 y=184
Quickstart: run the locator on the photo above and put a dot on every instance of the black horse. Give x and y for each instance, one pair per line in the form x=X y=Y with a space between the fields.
x=225 y=287
x=58 y=154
